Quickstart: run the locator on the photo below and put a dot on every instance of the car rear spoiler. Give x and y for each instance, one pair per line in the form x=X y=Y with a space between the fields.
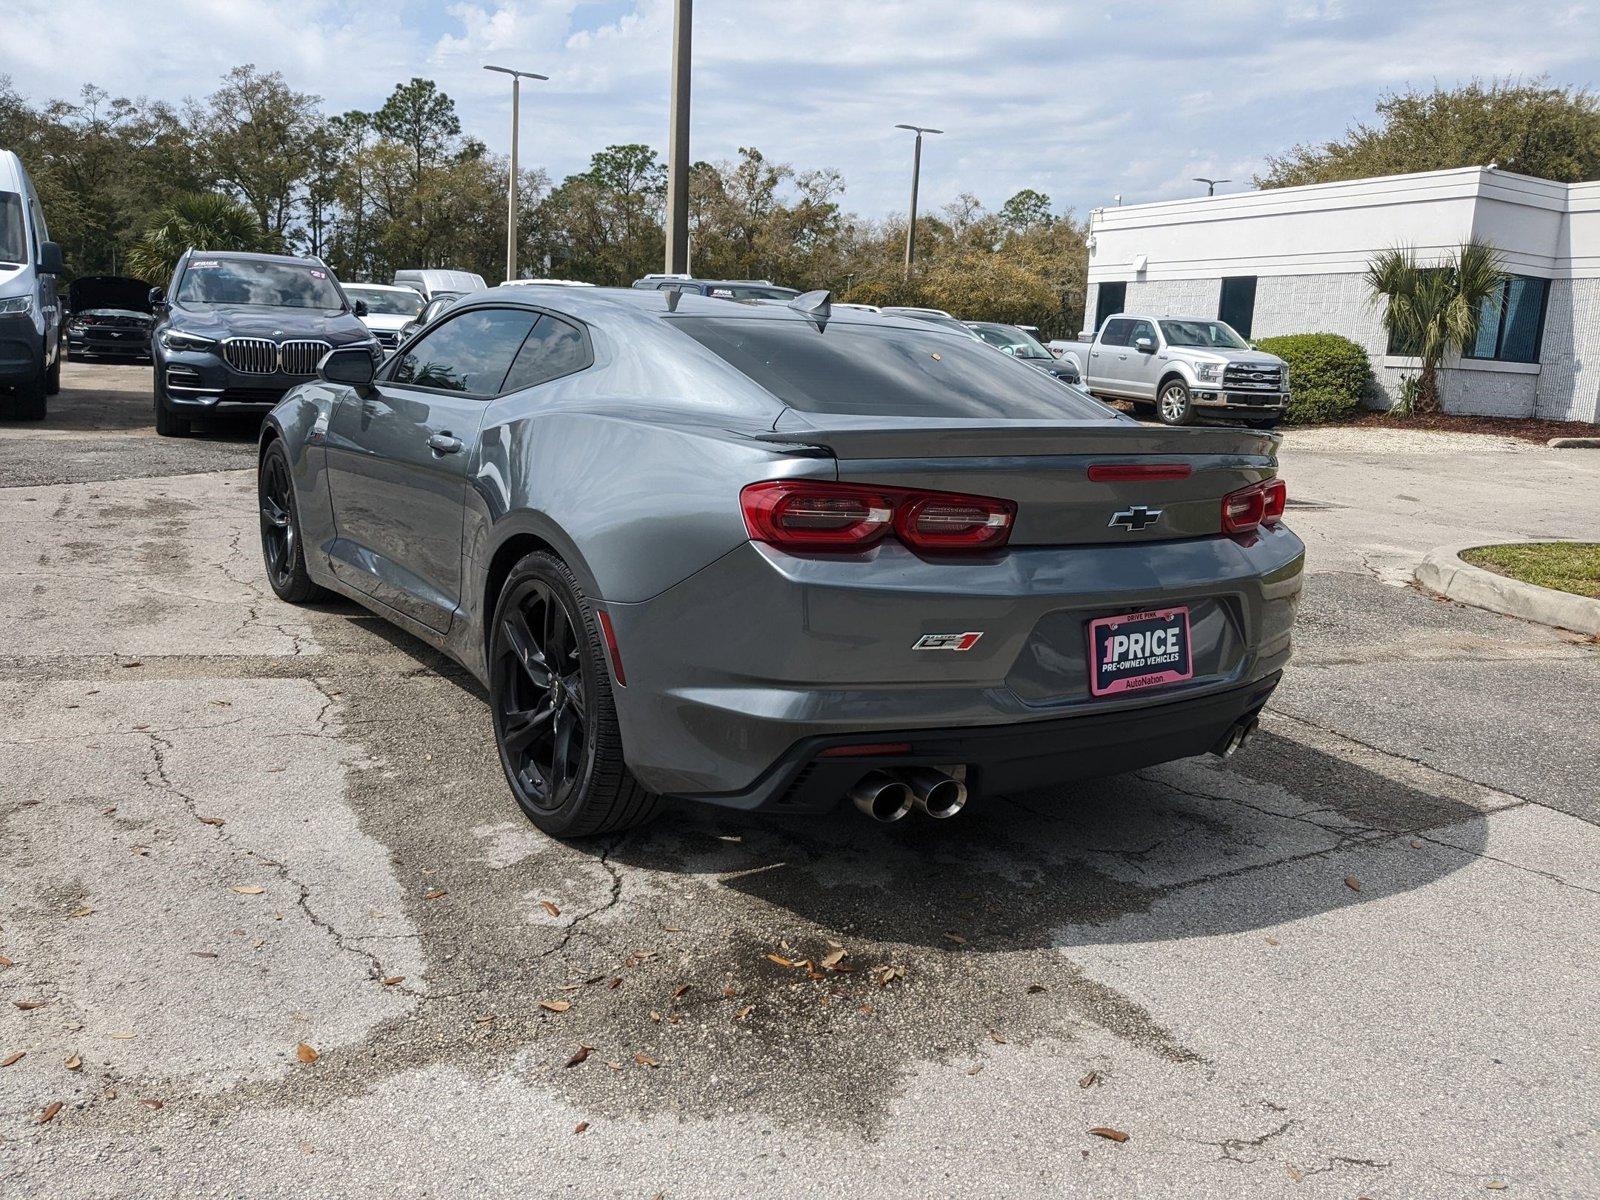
x=872 y=438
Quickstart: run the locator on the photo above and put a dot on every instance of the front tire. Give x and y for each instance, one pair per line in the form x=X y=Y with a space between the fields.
x=30 y=401
x=555 y=720
x=282 y=548
x=52 y=378
x=1174 y=406
x=168 y=423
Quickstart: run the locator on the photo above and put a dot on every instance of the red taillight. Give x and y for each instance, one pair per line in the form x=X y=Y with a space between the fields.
x=1277 y=497
x=1253 y=506
x=610 y=636
x=1138 y=472
x=818 y=515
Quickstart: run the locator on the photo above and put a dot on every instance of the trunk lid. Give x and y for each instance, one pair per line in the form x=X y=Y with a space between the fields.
x=1043 y=466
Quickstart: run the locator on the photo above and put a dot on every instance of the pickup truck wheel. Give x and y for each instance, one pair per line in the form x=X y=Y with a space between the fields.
x=1174 y=406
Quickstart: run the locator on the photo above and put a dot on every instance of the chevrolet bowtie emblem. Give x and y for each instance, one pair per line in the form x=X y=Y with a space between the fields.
x=1134 y=519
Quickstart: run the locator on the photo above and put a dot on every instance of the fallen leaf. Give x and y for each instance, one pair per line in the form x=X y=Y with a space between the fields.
x=615 y=982
x=744 y=1012
x=73 y=1063
x=123 y=1036
x=578 y=1056
x=217 y=821
x=435 y=894
x=997 y=1037
x=1035 y=988
x=133 y=663
x=393 y=980
x=249 y=889
x=615 y=1066
x=887 y=975
x=152 y=1105
x=1496 y=1185
x=25 y=1005
x=1089 y=1080
x=678 y=992
x=672 y=929
x=644 y=1060
x=955 y=937
x=550 y=908
x=729 y=990
x=5 y=962
x=974 y=1068
x=1293 y=1172
x=1351 y=882
x=1416 y=845
x=580 y=1127
x=833 y=958
x=488 y=1020
x=780 y=960
x=305 y=1053
x=1272 y=941
x=868 y=1010
x=555 y=1006
x=655 y=1016
x=49 y=1113
x=85 y=911
x=204 y=953
x=1112 y=1135
x=12 y=1058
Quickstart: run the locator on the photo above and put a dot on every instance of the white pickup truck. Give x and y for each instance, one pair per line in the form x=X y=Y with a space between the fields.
x=1182 y=367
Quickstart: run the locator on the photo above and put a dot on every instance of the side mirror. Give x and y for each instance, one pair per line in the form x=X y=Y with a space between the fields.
x=1144 y=345
x=51 y=261
x=158 y=297
x=359 y=308
x=347 y=364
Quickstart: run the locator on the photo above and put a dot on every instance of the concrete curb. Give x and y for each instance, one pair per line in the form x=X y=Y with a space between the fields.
x=1443 y=571
x=1574 y=443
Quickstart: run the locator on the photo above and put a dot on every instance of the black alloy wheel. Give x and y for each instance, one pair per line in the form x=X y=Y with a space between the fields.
x=541 y=705
x=555 y=719
x=281 y=547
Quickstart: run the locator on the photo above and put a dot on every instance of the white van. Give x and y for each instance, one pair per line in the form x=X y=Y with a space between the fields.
x=30 y=310
x=439 y=283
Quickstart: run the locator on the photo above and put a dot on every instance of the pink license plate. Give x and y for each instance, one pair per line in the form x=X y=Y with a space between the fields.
x=1138 y=651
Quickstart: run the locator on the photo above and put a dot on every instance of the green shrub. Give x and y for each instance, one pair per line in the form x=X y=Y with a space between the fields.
x=1328 y=375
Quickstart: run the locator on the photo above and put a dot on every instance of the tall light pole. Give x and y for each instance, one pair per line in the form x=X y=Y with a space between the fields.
x=678 y=143
x=511 y=185
x=916 y=174
x=1211 y=184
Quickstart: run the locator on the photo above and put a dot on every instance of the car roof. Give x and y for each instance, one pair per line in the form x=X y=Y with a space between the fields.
x=251 y=256
x=10 y=171
x=596 y=304
x=380 y=287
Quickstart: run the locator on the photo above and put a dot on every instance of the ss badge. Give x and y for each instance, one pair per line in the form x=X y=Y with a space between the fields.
x=947 y=641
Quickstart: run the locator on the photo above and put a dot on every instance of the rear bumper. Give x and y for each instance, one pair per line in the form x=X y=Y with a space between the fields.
x=1002 y=759
x=737 y=676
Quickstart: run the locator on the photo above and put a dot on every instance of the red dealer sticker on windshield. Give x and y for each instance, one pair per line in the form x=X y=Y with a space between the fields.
x=1139 y=651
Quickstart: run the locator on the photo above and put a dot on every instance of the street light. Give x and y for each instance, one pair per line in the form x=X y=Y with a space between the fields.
x=511 y=185
x=916 y=172
x=1211 y=184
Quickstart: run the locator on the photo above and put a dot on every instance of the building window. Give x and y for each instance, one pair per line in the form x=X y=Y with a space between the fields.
x=1511 y=322
x=1109 y=300
x=1238 y=305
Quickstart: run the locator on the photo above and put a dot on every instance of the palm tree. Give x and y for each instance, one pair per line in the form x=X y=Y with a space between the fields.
x=1434 y=310
x=202 y=220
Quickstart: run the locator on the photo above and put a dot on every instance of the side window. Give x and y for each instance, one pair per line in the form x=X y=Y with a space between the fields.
x=1142 y=329
x=554 y=348
x=469 y=353
x=1116 y=333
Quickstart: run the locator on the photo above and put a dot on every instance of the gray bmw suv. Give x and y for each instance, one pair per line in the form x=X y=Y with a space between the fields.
x=235 y=331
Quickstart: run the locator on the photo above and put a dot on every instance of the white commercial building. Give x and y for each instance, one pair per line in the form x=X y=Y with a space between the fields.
x=1291 y=260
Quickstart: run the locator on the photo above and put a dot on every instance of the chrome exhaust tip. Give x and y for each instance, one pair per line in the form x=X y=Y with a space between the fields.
x=881 y=796
x=936 y=793
x=1234 y=740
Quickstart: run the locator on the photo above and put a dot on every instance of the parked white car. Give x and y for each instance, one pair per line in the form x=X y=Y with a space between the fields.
x=432 y=282
x=389 y=309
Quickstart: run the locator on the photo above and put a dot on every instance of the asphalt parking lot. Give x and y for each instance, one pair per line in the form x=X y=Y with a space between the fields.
x=274 y=927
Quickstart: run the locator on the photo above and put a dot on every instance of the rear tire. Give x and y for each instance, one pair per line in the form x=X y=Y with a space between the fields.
x=282 y=547
x=168 y=423
x=1264 y=422
x=1174 y=405
x=555 y=719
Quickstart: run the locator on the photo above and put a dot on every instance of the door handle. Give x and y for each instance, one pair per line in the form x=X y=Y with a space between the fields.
x=444 y=443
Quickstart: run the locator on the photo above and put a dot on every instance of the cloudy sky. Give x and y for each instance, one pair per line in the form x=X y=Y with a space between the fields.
x=1079 y=100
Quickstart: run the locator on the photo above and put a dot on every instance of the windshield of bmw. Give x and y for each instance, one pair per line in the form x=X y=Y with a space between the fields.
x=1203 y=335
x=873 y=370
x=382 y=302
x=13 y=238
x=260 y=284
x=1009 y=337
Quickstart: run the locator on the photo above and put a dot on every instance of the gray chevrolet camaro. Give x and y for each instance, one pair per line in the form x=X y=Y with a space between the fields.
x=767 y=556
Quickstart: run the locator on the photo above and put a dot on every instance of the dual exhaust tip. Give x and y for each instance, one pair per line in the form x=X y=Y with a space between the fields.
x=889 y=795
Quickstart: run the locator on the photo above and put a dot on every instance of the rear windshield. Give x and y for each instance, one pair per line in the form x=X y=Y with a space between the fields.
x=13 y=239
x=871 y=370
x=262 y=284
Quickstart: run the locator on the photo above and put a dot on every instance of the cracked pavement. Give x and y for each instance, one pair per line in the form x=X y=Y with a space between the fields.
x=1357 y=960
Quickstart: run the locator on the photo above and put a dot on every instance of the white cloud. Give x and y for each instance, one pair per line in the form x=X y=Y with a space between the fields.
x=1076 y=99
